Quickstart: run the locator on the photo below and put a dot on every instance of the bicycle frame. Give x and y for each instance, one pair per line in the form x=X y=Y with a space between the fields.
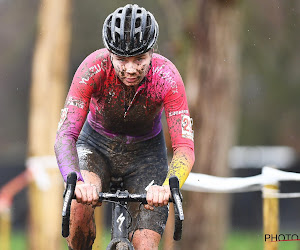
x=120 y=215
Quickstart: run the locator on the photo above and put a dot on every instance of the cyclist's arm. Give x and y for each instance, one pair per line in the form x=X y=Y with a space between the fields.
x=73 y=116
x=180 y=129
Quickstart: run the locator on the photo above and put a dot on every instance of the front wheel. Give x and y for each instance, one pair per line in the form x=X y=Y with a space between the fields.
x=120 y=244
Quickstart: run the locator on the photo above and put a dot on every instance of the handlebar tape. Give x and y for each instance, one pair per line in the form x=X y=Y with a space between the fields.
x=174 y=186
x=179 y=216
x=68 y=195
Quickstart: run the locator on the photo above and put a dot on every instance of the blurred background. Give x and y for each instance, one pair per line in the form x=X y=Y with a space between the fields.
x=240 y=63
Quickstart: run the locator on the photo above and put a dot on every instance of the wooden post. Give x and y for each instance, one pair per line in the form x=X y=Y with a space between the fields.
x=270 y=215
x=48 y=91
x=98 y=244
x=45 y=208
x=5 y=228
x=7 y=194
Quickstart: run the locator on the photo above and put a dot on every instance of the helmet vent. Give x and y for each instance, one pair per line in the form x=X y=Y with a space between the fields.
x=137 y=22
x=118 y=22
x=130 y=31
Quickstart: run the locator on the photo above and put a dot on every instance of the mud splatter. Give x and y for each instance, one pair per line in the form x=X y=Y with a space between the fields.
x=118 y=110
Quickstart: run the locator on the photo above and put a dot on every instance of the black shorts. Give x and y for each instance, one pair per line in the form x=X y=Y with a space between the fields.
x=139 y=163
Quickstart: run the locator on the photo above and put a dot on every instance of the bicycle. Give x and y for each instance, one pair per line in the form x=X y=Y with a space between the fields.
x=120 y=214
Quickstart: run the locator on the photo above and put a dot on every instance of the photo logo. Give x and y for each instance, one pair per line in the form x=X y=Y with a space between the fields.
x=281 y=237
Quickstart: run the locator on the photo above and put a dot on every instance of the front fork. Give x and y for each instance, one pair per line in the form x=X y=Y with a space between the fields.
x=119 y=220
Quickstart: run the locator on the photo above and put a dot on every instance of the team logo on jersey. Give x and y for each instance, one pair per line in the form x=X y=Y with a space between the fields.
x=178 y=112
x=63 y=117
x=75 y=102
x=186 y=126
x=95 y=69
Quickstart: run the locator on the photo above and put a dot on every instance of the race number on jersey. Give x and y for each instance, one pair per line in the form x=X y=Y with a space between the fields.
x=186 y=126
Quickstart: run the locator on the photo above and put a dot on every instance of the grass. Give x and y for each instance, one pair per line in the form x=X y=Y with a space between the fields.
x=238 y=240
x=255 y=241
x=244 y=241
x=18 y=241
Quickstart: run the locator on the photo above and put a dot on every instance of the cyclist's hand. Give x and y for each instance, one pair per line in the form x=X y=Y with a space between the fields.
x=87 y=194
x=157 y=196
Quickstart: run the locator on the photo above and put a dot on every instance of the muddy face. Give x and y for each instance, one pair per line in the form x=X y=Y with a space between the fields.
x=131 y=70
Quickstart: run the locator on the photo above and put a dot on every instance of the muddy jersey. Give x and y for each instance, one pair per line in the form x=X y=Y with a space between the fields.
x=97 y=94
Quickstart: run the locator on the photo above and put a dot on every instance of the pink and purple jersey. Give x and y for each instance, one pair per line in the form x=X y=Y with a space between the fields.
x=97 y=94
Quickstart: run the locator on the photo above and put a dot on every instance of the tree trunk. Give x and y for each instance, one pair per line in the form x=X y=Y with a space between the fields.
x=212 y=88
x=48 y=90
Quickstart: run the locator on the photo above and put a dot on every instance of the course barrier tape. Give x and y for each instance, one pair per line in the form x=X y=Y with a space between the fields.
x=271 y=193
x=270 y=176
x=38 y=165
x=196 y=182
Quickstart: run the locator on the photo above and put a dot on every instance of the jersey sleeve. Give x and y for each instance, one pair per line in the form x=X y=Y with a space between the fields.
x=180 y=130
x=74 y=113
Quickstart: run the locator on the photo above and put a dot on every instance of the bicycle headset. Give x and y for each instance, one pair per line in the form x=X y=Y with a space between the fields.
x=130 y=31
